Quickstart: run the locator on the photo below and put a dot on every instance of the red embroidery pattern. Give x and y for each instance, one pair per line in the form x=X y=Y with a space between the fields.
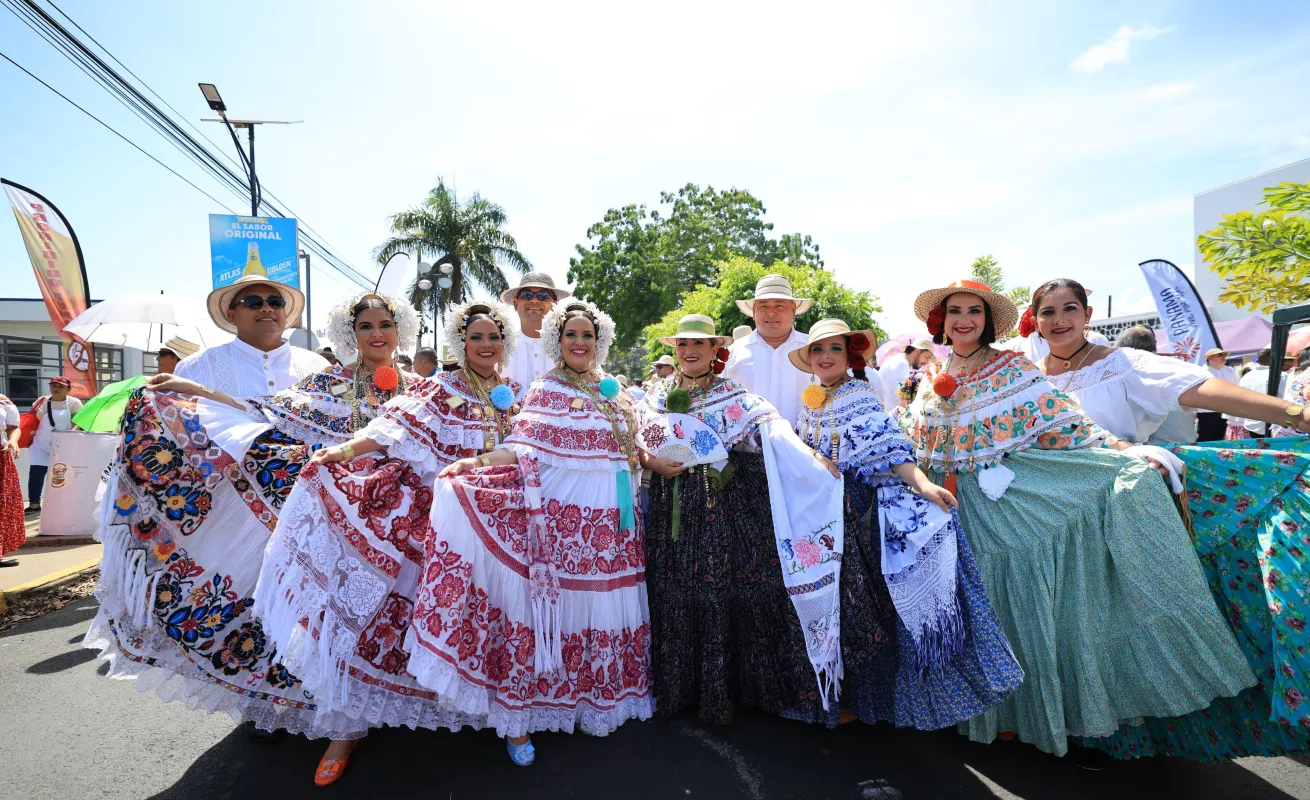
x=587 y=541
x=380 y=643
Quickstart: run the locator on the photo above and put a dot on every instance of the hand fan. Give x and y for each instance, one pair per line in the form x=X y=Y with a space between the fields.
x=682 y=437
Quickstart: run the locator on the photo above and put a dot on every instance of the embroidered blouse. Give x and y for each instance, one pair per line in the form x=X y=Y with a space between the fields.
x=562 y=426
x=1004 y=407
x=870 y=443
x=438 y=421
x=726 y=408
x=1131 y=392
x=1296 y=391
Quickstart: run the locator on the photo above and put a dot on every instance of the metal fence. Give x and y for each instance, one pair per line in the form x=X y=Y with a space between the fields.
x=27 y=365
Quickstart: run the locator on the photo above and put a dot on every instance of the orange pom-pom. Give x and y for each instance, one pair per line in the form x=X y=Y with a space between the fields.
x=814 y=397
x=386 y=378
x=945 y=385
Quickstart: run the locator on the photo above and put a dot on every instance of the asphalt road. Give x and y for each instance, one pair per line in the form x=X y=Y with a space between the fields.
x=68 y=732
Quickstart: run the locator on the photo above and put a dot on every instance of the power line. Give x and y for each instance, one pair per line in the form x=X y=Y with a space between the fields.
x=116 y=133
x=72 y=49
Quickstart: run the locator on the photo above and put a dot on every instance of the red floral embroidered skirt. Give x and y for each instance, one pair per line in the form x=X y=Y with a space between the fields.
x=12 y=533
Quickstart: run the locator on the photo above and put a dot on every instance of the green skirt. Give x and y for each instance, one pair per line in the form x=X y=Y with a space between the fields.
x=1096 y=583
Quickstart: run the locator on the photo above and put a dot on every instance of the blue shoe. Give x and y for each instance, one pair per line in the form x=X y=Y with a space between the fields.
x=521 y=754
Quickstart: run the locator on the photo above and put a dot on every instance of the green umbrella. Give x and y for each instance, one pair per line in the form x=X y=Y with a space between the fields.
x=104 y=412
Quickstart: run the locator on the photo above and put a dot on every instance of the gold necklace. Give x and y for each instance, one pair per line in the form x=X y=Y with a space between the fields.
x=362 y=386
x=610 y=409
x=697 y=389
x=1074 y=378
x=834 y=437
x=495 y=423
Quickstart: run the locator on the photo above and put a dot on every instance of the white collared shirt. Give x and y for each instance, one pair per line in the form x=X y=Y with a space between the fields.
x=1257 y=380
x=529 y=361
x=240 y=370
x=768 y=371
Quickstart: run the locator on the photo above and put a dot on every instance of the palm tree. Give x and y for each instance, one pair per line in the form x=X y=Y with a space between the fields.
x=471 y=237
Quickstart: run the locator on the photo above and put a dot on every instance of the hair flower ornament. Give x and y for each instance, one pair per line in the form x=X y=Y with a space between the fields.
x=340 y=328
x=859 y=343
x=552 y=326
x=457 y=325
x=936 y=320
x=1026 y=323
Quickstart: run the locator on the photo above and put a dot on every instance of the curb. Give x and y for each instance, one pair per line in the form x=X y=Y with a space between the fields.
x=65 y=575
x=55 y=541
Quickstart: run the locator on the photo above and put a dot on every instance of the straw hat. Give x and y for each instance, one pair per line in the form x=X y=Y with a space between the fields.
x=179 y=347
x=221 y=298
x=741 y=332
x=774 y=287
x=1214 y=351
x=1005 y=315
x=922 y=344
x=696 y=326
x=534 y=280
x=665 y=360
x=826 y=329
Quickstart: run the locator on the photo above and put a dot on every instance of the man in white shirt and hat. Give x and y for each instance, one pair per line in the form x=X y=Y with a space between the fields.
x=761 y=362
x=533 y=298
x=899 y=366
x=171 y=352
x=260 y=360
x=1211 y=425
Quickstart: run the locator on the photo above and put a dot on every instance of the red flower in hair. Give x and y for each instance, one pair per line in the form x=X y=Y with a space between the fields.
x=936 y=320
x=859 y=343
x=857 y=361
x=722 y=354
x=1026 y=323
x=718 y=367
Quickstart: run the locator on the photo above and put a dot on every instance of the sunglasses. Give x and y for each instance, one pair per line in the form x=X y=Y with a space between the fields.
x=254 y=302
x=540 y=294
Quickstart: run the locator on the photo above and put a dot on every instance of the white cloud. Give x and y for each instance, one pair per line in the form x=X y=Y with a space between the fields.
x=1113 y=50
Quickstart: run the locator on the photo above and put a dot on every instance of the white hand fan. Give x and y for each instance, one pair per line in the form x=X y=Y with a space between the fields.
x=683 y=438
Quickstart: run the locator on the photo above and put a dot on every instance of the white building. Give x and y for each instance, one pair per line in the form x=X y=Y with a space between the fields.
x=31 y=353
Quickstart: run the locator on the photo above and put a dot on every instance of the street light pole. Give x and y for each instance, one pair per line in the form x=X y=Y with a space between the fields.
x=215 y=101
x=308 y=307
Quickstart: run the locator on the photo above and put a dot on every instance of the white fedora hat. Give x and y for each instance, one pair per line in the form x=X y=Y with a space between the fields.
x=695 y=326
x=221 y=299
x=774 y=287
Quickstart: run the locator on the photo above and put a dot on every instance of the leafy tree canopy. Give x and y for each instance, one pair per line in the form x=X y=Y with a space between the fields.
x=735 y=280
x=638 y=262
x=1264 y=256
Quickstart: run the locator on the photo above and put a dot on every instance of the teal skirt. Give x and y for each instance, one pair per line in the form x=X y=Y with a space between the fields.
x=1100 y=593
x=1250 y=509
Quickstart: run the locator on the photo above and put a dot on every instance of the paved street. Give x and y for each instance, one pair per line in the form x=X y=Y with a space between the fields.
x=68 y=732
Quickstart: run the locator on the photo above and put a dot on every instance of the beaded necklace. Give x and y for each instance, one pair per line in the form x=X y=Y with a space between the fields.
x=954 y=410
x=583 y=382
x=362 y=388
x=495 y=423
x=834 y=438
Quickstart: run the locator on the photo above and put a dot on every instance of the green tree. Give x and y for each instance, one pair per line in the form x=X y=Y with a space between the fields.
x=470 y=236
x=735 y=279
x=985 y=269
x=1264 y=256
x=638 y=262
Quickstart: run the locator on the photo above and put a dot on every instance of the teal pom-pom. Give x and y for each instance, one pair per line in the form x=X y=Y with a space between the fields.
x=678 y=401
x=502 y=397
x=609 y=387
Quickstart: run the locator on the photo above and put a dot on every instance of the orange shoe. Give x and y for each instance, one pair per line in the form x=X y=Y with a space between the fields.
x=329 y=769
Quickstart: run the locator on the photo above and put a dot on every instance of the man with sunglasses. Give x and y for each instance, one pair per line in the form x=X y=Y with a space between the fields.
x=260 y=360
x=532 y=298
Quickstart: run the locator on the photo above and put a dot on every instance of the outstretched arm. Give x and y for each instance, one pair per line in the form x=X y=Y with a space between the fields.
x=360 y=445
x=501 y=457
x=172 y=383
x=1224 y=397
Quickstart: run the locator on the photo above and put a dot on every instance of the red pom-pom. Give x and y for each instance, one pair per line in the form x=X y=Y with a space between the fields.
x=722 y=354
x=857 y=361
x=1026 y=323
x=944 y=385
x=718 y=367
x=386 y=378
x=859 y=343
x=936 y=320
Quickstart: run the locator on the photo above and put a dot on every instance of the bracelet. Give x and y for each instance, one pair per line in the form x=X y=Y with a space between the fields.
x=484 y=460
x=347 y=452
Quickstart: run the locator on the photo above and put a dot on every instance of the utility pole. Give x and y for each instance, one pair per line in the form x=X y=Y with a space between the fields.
x=308 y=306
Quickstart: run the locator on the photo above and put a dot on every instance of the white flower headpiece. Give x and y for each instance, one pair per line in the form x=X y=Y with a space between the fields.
x=457 y=323
x=341 y=323
x=553 y=325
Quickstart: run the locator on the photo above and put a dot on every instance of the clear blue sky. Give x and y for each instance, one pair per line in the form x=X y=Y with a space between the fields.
x=1066 y=139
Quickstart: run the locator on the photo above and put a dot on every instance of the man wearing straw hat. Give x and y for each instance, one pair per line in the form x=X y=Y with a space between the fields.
x=1211 y=425
x=761 y=361
x=260 y=360
x=171 y=352
x=533 y=298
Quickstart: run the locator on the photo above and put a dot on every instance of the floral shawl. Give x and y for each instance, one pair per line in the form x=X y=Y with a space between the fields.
x=919 y=546
x=1005 y=407
x=806 y=504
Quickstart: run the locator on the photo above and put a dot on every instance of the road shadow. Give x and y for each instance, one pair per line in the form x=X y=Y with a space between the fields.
x=63 y=661
x=758 y=757
x=79 y=612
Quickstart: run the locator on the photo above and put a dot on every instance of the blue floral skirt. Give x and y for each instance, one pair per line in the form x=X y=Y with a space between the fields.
x=1249 y=502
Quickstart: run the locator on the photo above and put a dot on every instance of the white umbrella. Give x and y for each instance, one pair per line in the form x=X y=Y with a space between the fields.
x=144 y=321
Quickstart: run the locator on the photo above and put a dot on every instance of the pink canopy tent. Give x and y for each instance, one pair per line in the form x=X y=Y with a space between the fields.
x=1240 y=337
